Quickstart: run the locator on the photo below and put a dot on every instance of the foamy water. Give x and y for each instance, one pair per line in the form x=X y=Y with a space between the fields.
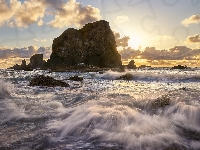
x=100 y=112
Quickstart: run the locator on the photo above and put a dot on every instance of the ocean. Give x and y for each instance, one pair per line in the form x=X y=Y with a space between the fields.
x=159 y=109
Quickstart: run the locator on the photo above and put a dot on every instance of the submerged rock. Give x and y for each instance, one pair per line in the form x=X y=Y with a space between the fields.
x=127 y=76
x=76 y=78
x=94 y=45
x=42 y=80
x=160 y=102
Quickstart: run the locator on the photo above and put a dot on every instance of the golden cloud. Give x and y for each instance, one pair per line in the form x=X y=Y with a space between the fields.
x=24 y=14
x=193 y=39
x=194 y=19
x=7 y=12
x=73 y=13
x=121 y=19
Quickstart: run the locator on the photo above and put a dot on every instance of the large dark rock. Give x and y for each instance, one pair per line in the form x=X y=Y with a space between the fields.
x=94 y=45
x=131 y=65
x=42 y=80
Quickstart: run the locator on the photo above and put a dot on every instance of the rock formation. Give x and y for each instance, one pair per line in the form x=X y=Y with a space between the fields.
x=127 y=76
x=93 y=45
x=36 y=61
x=131 y=65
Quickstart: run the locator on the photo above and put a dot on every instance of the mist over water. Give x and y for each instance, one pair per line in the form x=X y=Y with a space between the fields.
x=157 y=109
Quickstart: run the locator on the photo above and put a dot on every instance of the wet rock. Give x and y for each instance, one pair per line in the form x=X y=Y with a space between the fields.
x=160 y=102
x=94 y=45
x=42 y=80
x=131 y=65
x=144 y=66
x=127 y=76
x=179 y=67
x=76 y=78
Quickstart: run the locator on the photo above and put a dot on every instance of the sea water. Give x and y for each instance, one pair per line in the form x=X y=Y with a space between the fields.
x=101 y=112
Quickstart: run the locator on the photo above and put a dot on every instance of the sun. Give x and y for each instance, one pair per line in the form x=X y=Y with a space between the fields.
x=134 y=42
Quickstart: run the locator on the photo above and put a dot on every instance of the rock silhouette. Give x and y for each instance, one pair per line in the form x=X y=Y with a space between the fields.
x=179 y=67
x=36 y=61
x=131 y=65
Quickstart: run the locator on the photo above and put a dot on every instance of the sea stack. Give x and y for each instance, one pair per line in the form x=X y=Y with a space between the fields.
x=93 y=45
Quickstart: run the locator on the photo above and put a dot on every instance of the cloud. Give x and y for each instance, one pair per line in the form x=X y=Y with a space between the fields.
x=46 y=51
x=129 y=53
x=36 y=39
x=25 y=52
x=7 y=12
x=40 y=22
x=194 y=19
x=151 y=53
x=44 y=40
x=121 y=19
x=29 y=12
x=193 y=39
x=73 y=13
x=163 y=37
x=123 y=42
x=175 y=53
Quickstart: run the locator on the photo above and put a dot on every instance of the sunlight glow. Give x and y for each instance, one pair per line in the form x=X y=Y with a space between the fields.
x=134 y=42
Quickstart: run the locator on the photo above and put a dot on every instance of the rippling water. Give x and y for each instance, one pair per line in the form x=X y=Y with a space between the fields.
x=100 y=112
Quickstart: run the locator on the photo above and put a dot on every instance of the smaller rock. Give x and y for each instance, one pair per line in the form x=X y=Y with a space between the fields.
x=131 y=65
x=160 y=102
x=179 y=67
x=42 y=80
x=144 y=66
x=76 y=78
x=127 y=76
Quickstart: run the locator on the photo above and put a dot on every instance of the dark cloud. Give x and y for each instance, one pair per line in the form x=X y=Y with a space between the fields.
x=175 y=53
x=123 y=42
x=46 y=51
x=24 y=52
x=129 y=53
x=194 y=39
x=151 y=53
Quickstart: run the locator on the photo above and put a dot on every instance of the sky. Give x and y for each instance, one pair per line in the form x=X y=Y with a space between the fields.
x=156 y=33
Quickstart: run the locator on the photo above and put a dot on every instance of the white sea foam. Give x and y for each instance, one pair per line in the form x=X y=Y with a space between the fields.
x=96 y=112
x=5 y=88
x=110 y=122
x=152 y=75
